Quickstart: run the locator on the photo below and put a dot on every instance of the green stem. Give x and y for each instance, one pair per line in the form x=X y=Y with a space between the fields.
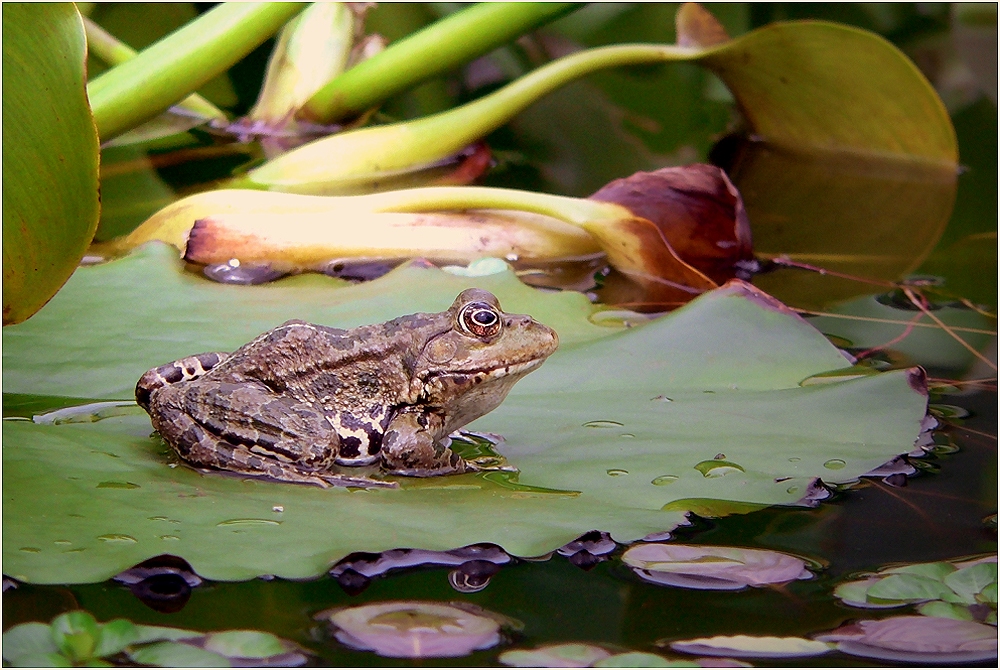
x=113 y=51
x=177 y=65
x=440 y=47
x=368 y=155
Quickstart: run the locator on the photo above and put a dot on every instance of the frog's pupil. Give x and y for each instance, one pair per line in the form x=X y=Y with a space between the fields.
x=484 y=318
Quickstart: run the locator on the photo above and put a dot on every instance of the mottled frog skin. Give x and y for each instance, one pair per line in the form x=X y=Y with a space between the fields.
x=301 y=397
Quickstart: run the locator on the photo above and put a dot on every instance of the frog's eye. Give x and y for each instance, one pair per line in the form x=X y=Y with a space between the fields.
x=480 y=319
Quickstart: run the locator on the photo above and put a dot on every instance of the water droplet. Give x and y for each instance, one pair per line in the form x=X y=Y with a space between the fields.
x=117 y=485
x=278 y=509
x=617 y=472
x=169 y=537
x=30 y=550
x=117 y=537
x=715 y=468
x=662 y=398
x=663 y=480
x=835 y=464
x=794 y=459
x=792 y=489
x=720 y=456
x=157 y=518
x=249 y=522
x=62 y=542
x=603 y=424
x=77 y=516
x=627 y=435
x=75 y=551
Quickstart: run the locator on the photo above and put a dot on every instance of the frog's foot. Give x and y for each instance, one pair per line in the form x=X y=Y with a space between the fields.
x=489 y=464
x=410 y=447
x=180 y=370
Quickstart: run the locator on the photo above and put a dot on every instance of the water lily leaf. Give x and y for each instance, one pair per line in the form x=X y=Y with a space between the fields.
x=750 y=646
x=917 y=639
x=605 y=435
x=569 y=655
x=713 y=567
x=50 y=200
x=415 y=629
x=244 y=644
x=945 y=610
x=938 y=570
x=908 y=588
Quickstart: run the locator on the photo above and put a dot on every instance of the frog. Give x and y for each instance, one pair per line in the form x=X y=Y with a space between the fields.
x=303 y=402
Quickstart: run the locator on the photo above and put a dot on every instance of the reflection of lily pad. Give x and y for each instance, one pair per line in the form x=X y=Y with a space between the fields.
x=592 y=420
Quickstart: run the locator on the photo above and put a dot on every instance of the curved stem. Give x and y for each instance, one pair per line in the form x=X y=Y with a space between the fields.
x=177 y=65
x=440 y=47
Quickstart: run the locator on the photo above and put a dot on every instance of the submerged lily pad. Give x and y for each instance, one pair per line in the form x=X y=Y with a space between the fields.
x=713 y=568
x=596 y=442
x=917 y=639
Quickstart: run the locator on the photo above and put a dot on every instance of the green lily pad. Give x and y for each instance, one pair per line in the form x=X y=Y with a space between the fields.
x=50 y=200
x=606 y=434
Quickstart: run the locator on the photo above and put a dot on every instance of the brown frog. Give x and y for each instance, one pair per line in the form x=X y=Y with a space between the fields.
x=302 y=398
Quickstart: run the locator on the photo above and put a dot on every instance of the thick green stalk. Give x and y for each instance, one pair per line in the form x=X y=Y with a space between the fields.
x=366 y=156
x=440 y=47
x=177 y=65
x=113 y=51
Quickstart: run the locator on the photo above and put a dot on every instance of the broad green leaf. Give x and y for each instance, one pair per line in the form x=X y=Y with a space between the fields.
x=50 y=201
x=937 y=571
x=244 y=644
x=945 y=610
x=970 y=582
x=27 y=640
x=76 y=634
x=608 y=433
x=908 y=588
x=115 y=636
x=566 y=655
x=177 y=654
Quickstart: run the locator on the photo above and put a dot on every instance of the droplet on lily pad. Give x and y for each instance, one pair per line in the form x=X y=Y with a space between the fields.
x=750 y=646
x=713 y=568
x=415 y=629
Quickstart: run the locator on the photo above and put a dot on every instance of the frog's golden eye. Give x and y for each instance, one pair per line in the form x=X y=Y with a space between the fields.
x=481 y=319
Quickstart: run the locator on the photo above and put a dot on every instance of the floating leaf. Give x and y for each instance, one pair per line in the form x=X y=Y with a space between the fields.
x=908 y=588
x=30 y=644
x=731 y=362
x=709 y=567
x=178 y=655
x=415 y=629
x=917 y=639
x=969 y=582
x=569 y=655
x=50 y=201
x=749 y=646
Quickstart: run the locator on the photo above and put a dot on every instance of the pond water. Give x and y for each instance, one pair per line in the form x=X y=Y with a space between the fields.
x=572 y=143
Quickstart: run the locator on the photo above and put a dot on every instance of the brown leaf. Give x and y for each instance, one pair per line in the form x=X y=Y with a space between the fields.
x=696 y=27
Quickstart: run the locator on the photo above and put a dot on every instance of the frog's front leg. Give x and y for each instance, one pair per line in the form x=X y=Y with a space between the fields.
x=411 y=446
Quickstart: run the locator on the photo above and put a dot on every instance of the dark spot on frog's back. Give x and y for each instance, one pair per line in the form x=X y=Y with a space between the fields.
x=368 y=384
x=350 y=447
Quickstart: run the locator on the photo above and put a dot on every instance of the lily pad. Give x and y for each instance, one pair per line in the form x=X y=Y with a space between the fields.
x=917 y=639
x=609 y=432
x=750 y=646
x=713 y=568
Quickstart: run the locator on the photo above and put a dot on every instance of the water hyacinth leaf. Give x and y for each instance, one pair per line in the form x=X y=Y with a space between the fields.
x=855 y=594
x=908 y=588
x=76 y=634
x=27 y=641
x=568 y=655
x=115 y=636
x=50 y=199
x=731 y=362
x=937 y=608
x=415 y=629
x=917 y=639
x=938 y=570
x=178 y=655
x=750 y=646
x=969 y=582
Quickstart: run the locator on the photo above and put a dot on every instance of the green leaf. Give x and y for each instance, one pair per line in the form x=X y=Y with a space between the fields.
x=937 y=571
x=76 y=634
x=612 y=426
x=177 y=654
x=115 y=635
x=971 y=581
x=907 y=588
x=945 y=610
x=641 y=659
x=244 y=644
x=569 y=655
x=50 y=201
x=52 y=660
x=162 y=633
x=28 y=640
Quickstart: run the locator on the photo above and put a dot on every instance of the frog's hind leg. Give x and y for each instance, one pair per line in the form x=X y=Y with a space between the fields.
x=180 y=370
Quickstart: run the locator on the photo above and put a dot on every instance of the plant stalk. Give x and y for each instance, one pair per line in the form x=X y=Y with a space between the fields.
x=177 y=65
x=438 y=48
